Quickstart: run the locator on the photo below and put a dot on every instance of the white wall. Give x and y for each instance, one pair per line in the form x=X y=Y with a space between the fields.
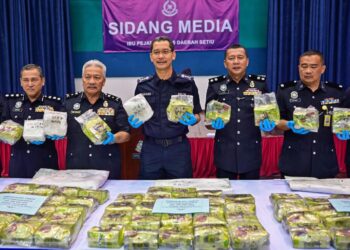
x=124 y=87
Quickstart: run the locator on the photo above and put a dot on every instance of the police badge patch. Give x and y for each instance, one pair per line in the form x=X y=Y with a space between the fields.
x=294 y=95
x=223 y=87
x=76 y=106
x=18 y=105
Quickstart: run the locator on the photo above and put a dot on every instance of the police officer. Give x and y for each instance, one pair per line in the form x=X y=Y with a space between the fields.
x=345 y=135
x=166 y=152
x=81 y=152
x=237 y=148
x=27 y=158
x=306 y=153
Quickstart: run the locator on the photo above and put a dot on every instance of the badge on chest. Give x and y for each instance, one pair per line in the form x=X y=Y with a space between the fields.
x=106 y=111
x=252 y=92
x=42 y=108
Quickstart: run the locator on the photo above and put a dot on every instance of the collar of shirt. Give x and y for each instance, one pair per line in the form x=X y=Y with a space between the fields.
x=300 y=86
x=243 y=80
x=84 y=97
x=39 y=99
x=171 y=80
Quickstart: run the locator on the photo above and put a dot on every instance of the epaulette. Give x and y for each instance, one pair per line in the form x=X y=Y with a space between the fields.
x=261 y=78
x=112 y=97
x=334 y=85
x=72 y=95
x=217 y=79
x=54 y=98
x=13 y=95
x=185 y=77
x=288 y=84
x=143 y=79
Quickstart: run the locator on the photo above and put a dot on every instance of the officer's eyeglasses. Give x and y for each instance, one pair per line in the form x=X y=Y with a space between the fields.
x=31 y=80
x=163 y=52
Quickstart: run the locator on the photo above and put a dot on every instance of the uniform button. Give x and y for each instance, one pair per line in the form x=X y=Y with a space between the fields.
x=223 y=99
x=90 y=146
x=332 y=150
x=15 y=116
x=289 y=147
x=238 y=109
x=314 y=153
x=30 y=109
x=109 y=154
x=238 y=120
x=313 y=97
x=11 y=154
x=314 y=141
x=71 y=154
x=90 y=155
x=238 y=132
x=50 y=156
x=104 y=118
x=238 y=143
x=237 y=88
x=28 y=151
x=256 y=141
x=29 y=117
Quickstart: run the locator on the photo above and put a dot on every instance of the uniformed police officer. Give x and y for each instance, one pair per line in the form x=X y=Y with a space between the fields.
x=237 y=148
x=345 y=135
x=27 y=158
x=166 y=152
x=81 y=152
x=306 y=153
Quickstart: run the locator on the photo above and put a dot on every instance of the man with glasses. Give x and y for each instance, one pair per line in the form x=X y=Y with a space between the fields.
x=29 y=157
x=166 y=152
x=306 y=153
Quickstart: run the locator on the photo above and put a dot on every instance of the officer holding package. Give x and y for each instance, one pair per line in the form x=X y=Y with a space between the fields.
x=306 y=153
x=81 y=152
x=28 y=157
x=237 y=148
x=166 y=152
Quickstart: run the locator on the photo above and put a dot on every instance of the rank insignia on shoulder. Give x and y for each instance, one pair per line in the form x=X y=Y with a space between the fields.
x=186 y=77
x=72 y=95
x=260 y=78
x=112 y=97
x=334 y=85
x=144 y=79
x=288 y=84
x=13 y=95
x=53 y=98
x=217 y=79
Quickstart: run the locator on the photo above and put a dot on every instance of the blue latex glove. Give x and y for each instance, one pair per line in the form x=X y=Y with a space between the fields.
x=55 y=137
x=135 y=123
x=266 y=125
x=300 y=131
x=217 y=124
x=344 y=135
x=188 y=119
x=109 y=139
x=37 y=142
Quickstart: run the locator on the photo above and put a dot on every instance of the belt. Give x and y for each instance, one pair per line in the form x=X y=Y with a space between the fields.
x=167 y=141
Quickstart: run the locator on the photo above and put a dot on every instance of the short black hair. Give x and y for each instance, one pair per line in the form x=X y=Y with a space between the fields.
x=30 y=67
x=313 y=53
x=163 y=38
x=236 y=46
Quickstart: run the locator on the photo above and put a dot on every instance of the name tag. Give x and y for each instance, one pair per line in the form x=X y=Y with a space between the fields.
x=42 y=108
x=106 y=111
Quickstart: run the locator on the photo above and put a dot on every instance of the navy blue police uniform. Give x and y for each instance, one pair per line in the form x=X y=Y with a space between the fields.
x=237 y=148
x=166 y=151
x=312 y=154
x=26 y=158
x=81 y=152
x=346 y=104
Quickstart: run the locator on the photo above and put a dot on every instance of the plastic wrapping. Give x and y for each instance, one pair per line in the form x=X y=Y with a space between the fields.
x=54 y=235
x=112 y=237
x=147 y=240
x=20 y=233
x=93 y=126
x=139 y=107
x=341 y=120
x=181 y=238
x=211 y=237
x=310 y=237
x=266 y=107
x=10 y=132
x=341 y=238
x=176 y=220
x=216 y=109
x=33 y=130
x=307 y=118
x=55 y=123
x=178 y=106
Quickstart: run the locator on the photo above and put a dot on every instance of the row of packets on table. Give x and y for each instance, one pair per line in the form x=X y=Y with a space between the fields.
x=312 y=222
x=58 y=221
x=53 y=123
x=129 y=222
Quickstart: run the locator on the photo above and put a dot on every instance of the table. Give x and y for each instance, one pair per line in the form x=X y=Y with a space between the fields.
x=261 y=189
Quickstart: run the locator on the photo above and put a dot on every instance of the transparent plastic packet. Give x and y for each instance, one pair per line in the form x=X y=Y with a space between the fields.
x=139 y=107
x=10 y=132
x=55 y=123
x=33 y=130
x=307 y=118
x=340 y=120
x=178 y=106
x=266 y=107
x=93 y=126
x=216 y=109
